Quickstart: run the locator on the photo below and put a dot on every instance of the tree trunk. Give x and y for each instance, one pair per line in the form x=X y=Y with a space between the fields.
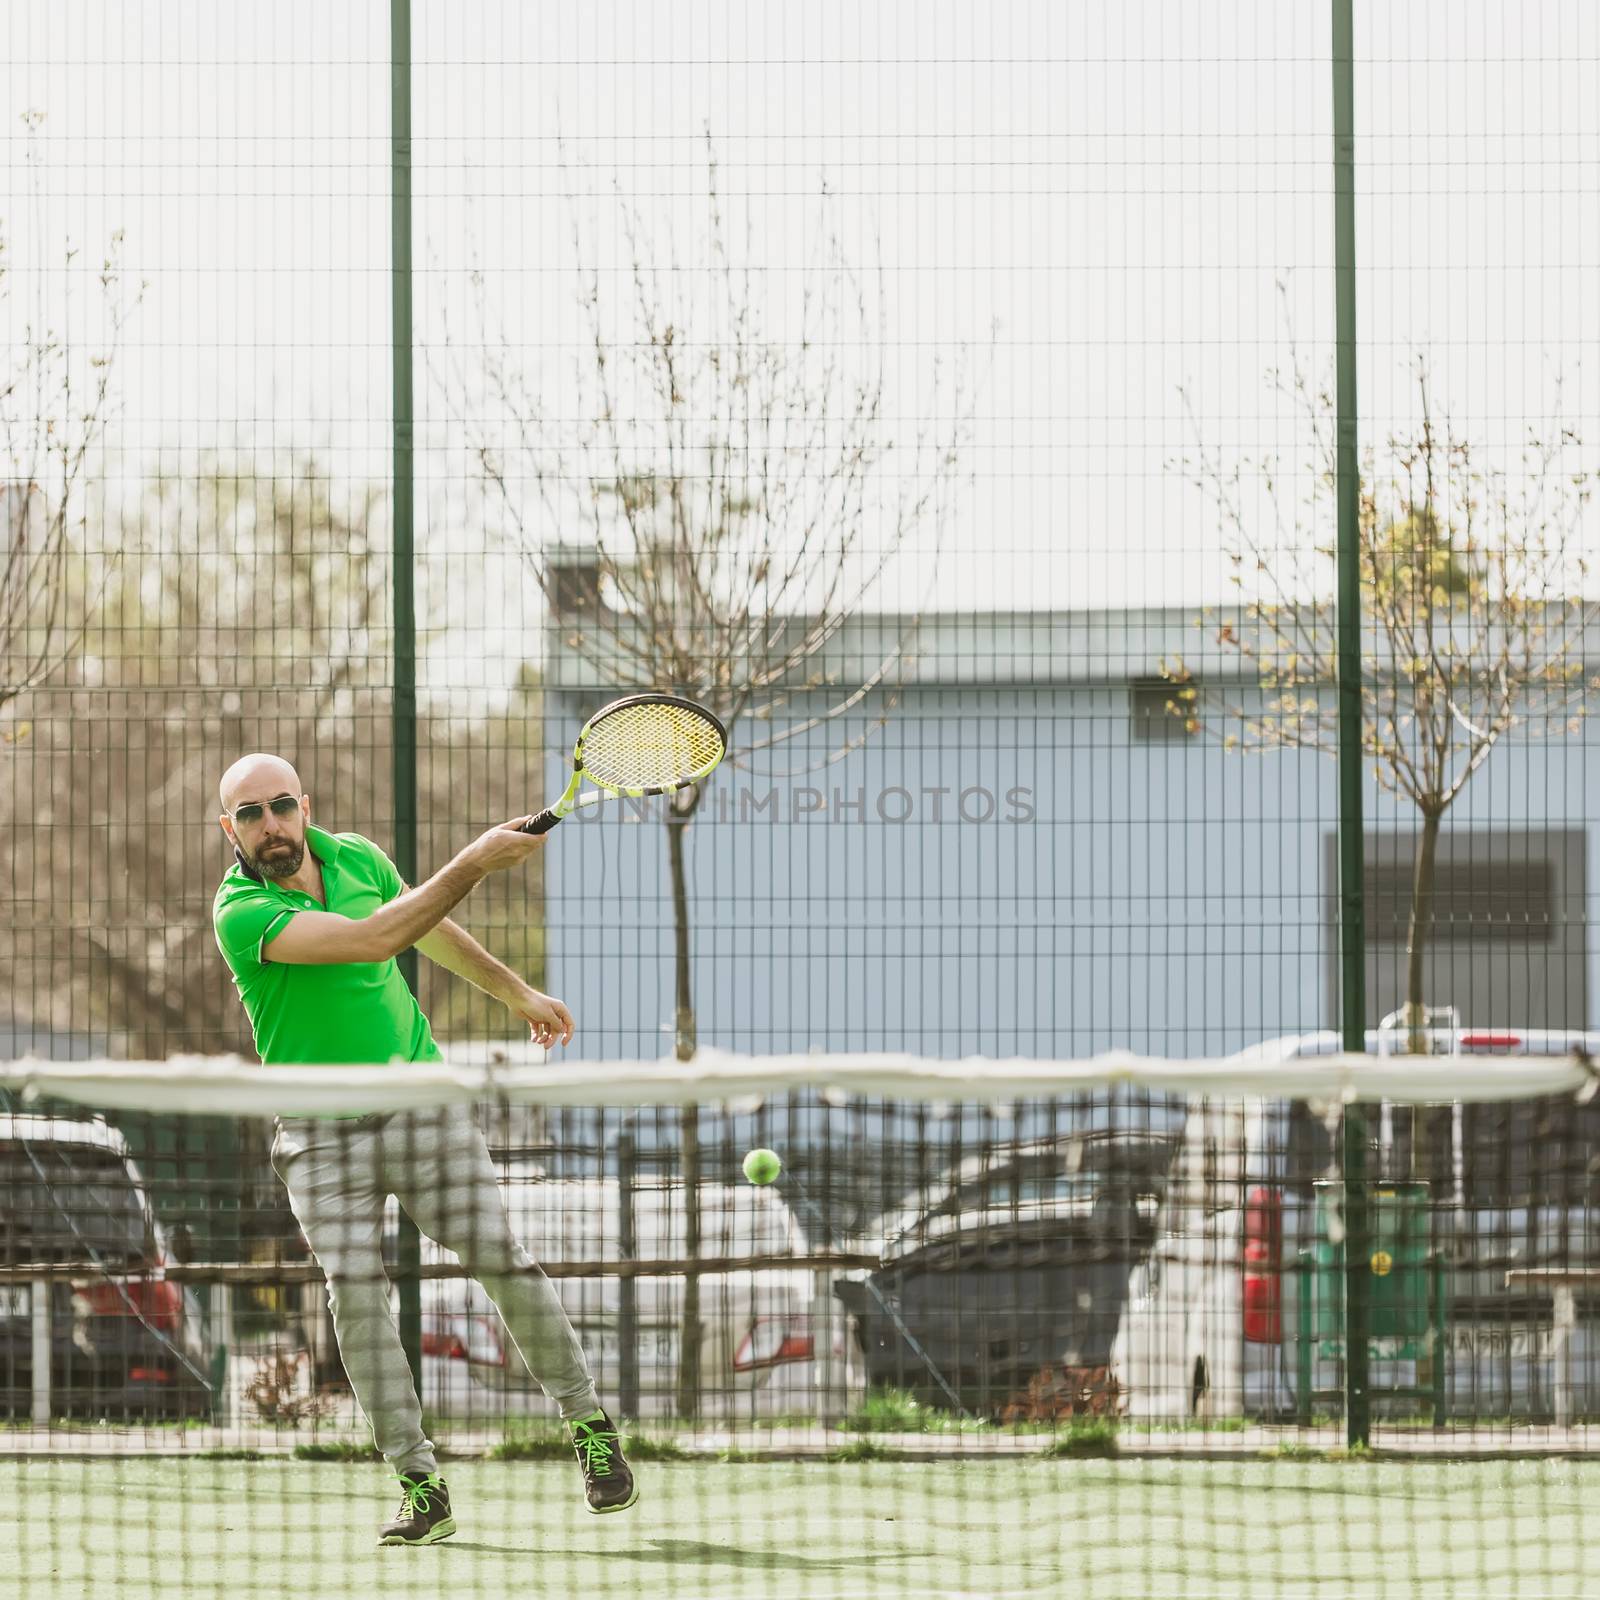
x=678 y=817
x=1431 y=1126
x=688 y=1404
x=1417 y=930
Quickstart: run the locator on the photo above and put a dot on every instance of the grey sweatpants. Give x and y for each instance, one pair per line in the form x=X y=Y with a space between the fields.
x=339 y=1174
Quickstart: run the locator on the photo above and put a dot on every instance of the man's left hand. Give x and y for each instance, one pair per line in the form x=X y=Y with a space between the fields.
x=549 y=1022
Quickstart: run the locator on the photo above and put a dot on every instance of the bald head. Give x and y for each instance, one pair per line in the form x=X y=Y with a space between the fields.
x=264 y=815
x=256 y=777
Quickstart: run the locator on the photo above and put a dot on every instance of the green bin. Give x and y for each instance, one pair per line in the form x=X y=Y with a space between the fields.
x=1406 y=1305
x=1398 y=1320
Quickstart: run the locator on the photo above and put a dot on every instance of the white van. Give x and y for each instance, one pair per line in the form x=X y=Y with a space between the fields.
x=773 y=1339
x=1211 y=1325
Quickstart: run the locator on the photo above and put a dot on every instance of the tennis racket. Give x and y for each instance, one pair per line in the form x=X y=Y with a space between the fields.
x=645 y=744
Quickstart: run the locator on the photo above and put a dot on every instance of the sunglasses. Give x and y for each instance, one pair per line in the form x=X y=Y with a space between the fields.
x=285 y=805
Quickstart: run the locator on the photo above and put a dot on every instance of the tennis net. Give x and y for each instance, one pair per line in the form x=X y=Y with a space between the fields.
x=998 y=1327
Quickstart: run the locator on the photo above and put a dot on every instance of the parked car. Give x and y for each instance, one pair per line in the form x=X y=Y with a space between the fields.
x=1009 y=1271
x=773 y=1341
x=1233 y=1311
x=120 y=1346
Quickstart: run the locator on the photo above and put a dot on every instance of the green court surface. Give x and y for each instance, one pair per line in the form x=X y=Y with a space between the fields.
x=768 y=1531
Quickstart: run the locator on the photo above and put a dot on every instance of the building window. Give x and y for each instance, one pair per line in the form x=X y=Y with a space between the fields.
x=1508 y=901
x=1507 y=928
x=1162 y=710
x=574 y=588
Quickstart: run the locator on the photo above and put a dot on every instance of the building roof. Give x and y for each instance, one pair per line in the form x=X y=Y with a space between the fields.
x=1026 y=648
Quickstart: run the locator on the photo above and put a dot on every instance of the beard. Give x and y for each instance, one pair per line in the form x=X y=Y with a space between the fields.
x=280 y=859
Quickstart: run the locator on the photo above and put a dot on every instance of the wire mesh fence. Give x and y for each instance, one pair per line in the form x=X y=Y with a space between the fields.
x=1122 y=479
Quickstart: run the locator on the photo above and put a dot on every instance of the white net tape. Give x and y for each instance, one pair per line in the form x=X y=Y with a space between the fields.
x=1303 y=1069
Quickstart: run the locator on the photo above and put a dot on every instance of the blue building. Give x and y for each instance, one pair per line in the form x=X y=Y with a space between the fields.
x=1019 y=851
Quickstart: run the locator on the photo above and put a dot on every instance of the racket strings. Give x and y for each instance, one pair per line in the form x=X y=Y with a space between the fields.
x=650 y=746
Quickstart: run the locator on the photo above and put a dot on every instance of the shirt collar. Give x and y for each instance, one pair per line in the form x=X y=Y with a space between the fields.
x=322 y=845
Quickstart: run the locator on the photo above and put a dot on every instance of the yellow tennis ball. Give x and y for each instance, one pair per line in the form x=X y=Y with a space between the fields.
x=762 y=1166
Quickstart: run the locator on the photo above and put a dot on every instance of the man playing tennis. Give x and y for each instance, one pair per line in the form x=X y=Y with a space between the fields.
x=310 y=924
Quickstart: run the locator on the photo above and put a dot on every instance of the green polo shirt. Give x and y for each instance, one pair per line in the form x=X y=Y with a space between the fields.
x=357 y=1011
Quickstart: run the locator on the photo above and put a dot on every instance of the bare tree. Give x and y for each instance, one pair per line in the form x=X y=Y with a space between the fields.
x=55 y=399
x=739 y=497
x=248 y=609
x=1473 y=614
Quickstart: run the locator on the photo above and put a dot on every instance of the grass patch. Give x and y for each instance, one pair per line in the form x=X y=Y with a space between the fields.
x=888 y=1411
x=641 y=1447
x=335 y=1450
x=899 y=1411
x=530 y=1447
x=542 y=1444
x=1094 y=1437
x=862 y=1450
x=231 y=1455
x=1292 y=1450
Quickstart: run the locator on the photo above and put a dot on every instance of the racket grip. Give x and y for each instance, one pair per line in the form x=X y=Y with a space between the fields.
x=543 y=823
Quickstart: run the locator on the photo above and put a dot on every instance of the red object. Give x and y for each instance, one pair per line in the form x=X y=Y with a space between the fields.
x=1490 y=1041
x=159 y=1302
x=444 y=1344
x=149 y=1375
x=1263 y=1311
x=1263 y=1282
x=773 y=1340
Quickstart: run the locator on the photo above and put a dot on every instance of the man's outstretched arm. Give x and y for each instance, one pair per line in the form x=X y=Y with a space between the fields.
x=325 y=938
x=454 y=949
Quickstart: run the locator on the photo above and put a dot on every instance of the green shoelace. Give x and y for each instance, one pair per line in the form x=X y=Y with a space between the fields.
x=417 y=1494
x=595 y=1445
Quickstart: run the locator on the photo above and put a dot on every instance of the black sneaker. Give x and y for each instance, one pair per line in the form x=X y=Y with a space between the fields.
x=424 y=1515
x=607 y=1480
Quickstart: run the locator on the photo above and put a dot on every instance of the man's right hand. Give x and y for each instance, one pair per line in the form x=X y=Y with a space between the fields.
x=505 y=846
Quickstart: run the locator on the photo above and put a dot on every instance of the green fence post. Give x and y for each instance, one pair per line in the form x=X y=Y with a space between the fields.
x=1352 y=863
x=1439 y=1328
x=404 y=738
x=1304 y=1335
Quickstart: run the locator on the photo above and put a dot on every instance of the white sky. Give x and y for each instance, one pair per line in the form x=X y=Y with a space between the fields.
x=1119 y=189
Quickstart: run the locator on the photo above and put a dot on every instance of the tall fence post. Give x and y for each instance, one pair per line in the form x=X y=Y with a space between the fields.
x=1352 y=842
x=404 y=738
x=628 y=1288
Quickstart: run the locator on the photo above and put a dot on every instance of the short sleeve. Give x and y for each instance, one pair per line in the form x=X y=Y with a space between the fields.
x=245 y=922
x=385 y=873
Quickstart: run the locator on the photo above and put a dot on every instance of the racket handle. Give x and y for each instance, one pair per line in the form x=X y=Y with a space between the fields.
x=543 y=823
